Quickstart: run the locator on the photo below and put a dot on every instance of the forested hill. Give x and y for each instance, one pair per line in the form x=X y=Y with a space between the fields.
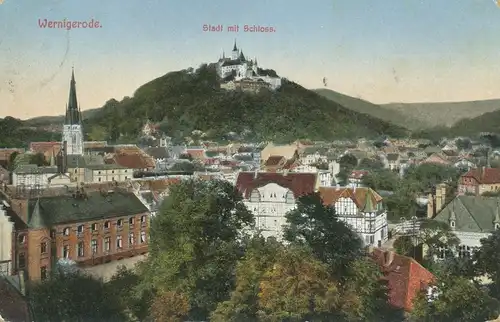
x=187 y=100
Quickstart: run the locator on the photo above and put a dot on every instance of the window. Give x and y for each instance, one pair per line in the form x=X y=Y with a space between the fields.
x=452 y=224
x=143 y=237
x=43 y=248
x=81 y=249
x=143 y=220
x=21 y=261
x=107 y=244
x=76 y=170
x=119 y=223
x=464 y=251
x=107 y=225
x=66 y=231
x=131 y=240
x=112 y=171
x=126 y=177
x=65 y=252
x=131 y=221
x=99 y=172
x=43 y=272
x=80 y=229
x=497 y=226
x=94 y=227
x=119 y=242
x=112 y=178
x=94 y=246
x=99 y=179
x=22 y=239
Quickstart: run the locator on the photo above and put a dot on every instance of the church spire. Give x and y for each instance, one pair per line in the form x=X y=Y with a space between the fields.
x=72 y=110
x=234 y=47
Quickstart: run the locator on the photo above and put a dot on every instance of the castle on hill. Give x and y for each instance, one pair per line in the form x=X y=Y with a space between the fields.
x=237 y=72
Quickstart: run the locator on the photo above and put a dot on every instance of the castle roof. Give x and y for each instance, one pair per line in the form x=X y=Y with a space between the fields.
x=232 y=62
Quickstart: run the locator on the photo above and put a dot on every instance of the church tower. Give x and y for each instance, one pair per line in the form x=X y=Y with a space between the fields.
x=235 y=53
x=72 y=136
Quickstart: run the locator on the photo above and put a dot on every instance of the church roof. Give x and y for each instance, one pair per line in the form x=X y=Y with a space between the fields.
x=234 y=47
x=72 y=110
x=299 y=183
x=232 y=62
x=242 y=57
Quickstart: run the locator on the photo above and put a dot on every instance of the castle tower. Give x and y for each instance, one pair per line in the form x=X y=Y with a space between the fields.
x=72 y=135
x=235 y=53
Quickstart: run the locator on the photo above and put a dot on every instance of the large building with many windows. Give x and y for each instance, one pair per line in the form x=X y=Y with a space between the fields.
x=89 y=228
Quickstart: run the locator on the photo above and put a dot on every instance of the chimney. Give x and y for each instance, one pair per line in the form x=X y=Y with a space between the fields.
x=256 y=173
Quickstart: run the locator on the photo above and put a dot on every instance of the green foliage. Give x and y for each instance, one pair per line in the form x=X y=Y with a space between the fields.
x=488 y=260
x=192 y=101
x=404 y=245
x=195 y=244
x=243 y=304
x=38 y=159
x=370 y=164
x=74 y=297
x=381 y=179
x=15 y=133
x=187 y=167
x=458 y=300
x=317 y=226
x=121 y=287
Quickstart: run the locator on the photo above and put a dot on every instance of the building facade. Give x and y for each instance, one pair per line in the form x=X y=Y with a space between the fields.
x=478 y=181
x=107 y=173
x=90 y=228
x=362 y=209
x=269 y=196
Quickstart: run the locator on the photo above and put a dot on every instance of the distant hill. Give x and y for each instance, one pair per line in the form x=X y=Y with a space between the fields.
x=184 y=101
x=361 y=106
x=55 y=120
x=444 y=114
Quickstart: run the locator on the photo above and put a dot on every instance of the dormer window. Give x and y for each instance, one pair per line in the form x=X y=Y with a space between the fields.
x=22 y=239
x=497 y=226
x=452 y=223
x=66 y=231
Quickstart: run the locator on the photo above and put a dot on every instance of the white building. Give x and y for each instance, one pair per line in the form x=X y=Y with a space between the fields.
x=240 y=68
x=360 y=208
x=325 y=177
x=471 y=218
x=271 y=195
x=6 y=229
x=107 y=173
x=32 y=176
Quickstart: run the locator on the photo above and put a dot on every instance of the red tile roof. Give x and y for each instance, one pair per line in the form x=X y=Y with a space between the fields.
x=484 y=175
x=132 y=161
x=405 y=276
x=299 y=183
x=196 y=154
x=274 y=160
x=45 y=147
x=358 y=174
x=330 y=195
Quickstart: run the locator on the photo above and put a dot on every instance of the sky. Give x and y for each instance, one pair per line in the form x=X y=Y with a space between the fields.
x=382 y=51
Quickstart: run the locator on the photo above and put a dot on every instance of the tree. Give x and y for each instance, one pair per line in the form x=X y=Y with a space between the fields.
x=381 y=179
x=316 y=225
x=38 y=159
x=121 y=286
x=187 y=167
x=12 y=159
x=243 y=303
x=463 y=144
x=98 y=133
x=74 y=297
x=298 y=287
x=457 y=299
x=488 y=260
x=170 y=306
x=370 y=164
x=195 y=244
x=404 y=245
x=348 y=161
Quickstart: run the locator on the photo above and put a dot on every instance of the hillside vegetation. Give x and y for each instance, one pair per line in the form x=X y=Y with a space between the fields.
x=184 y=101
x=443 y=114
x=361 y=106
x=15 y=133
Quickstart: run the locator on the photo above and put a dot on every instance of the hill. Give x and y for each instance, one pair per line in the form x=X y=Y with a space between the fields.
x=55 y=120
x=15 y=133
x=447 y=114
x=185 y=100
x=365 y=107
